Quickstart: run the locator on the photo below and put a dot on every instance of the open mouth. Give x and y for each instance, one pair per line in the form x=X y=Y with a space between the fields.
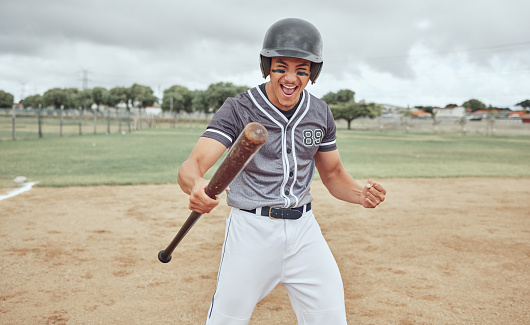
x=288 y=90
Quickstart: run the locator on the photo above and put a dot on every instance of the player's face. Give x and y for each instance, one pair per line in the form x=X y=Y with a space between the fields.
x=289 y=76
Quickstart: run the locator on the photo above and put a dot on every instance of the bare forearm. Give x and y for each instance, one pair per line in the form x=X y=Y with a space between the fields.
x=188 y=175
x=202 y=158
x=191 y=174
x=343 y=187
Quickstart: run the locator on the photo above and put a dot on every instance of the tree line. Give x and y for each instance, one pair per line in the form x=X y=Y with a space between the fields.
x=178 y=99
x=175 y=98
x=474 y=105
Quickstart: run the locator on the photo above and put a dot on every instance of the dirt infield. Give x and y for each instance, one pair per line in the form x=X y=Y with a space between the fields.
x=438 y=251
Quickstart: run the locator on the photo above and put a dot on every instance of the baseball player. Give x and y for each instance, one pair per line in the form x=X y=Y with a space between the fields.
x=271 y=233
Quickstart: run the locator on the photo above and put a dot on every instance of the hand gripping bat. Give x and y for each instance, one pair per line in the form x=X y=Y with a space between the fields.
x=247 y=144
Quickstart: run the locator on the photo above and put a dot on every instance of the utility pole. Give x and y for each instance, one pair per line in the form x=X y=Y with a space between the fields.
x=85 y=79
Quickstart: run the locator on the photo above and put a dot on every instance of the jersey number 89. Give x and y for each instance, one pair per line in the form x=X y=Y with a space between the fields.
x=312 y=137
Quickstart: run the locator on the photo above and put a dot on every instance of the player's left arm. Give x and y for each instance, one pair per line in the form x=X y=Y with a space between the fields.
x=342 y=185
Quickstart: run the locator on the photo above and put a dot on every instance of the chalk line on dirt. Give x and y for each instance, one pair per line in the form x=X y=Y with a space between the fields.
x=24 y=188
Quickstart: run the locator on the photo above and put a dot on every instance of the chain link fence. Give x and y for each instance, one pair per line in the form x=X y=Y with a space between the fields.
x=35 y=123
x=486 y=127
x=47 y=122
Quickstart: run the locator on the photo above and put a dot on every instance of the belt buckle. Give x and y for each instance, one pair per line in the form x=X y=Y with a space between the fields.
x=270 y=210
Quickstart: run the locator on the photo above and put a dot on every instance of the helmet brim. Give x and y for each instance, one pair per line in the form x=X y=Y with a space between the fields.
x=270 y=53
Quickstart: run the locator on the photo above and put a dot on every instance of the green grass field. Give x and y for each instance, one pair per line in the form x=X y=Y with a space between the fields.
x=153 y=156
x=396 y=155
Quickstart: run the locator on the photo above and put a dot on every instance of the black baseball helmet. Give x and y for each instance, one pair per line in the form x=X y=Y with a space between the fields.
x=296 y=38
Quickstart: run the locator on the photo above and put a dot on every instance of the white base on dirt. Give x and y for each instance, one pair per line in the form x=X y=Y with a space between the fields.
x=24 y=188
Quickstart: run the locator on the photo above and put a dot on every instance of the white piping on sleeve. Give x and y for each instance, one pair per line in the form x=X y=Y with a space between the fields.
x=221 y=133
x=328 y=143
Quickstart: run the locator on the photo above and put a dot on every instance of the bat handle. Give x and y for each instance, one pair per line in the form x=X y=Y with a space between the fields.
x=164 y=255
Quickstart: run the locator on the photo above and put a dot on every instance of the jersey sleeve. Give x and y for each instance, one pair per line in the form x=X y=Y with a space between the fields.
x=329 y=140
x=225 y=125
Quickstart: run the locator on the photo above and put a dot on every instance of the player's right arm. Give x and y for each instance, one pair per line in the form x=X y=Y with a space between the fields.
x=191 y=173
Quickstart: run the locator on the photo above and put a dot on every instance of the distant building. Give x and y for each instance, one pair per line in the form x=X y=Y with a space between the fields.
x=517 y=114
x=480 y=114
x=391 y=111
x=419 y=113
x=451 y=112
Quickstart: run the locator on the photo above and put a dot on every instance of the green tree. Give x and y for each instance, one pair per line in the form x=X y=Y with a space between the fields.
x=525 y=104
x=178 y=98
x=341 y=96
x=84 y=99
x=351 y=110
x=216 y=94
x=142 y=94
x=198 y=101
x=71 y=97
x=100 y=95
x=33 y=101
x=474 y=105
x=343 y=106
x=117 y=95
x=6 y=99
x=55 y=97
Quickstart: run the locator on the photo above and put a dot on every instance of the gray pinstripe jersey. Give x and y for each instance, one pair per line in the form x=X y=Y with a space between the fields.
x=280 y=173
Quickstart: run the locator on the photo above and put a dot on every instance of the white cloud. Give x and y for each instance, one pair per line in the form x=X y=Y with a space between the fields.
x=412 y=52
x=439 y=79
x=423 y=24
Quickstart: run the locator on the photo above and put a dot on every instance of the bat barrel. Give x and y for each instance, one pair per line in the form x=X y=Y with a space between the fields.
x=247 y=144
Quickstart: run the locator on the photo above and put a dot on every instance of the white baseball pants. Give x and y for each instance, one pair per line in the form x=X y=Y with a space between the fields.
x=260 y=252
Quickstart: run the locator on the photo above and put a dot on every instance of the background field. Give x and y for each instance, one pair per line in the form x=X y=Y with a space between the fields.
x=153 y=156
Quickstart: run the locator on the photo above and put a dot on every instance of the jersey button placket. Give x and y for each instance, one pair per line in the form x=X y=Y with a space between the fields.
x=290 y=172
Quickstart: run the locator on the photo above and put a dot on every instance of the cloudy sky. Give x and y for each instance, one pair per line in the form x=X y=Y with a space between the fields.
x=400 y=52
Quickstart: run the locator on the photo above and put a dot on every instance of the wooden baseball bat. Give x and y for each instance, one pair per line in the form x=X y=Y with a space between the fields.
x=247 y=144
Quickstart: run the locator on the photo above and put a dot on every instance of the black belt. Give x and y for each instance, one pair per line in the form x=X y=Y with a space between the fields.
x=282 y=213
